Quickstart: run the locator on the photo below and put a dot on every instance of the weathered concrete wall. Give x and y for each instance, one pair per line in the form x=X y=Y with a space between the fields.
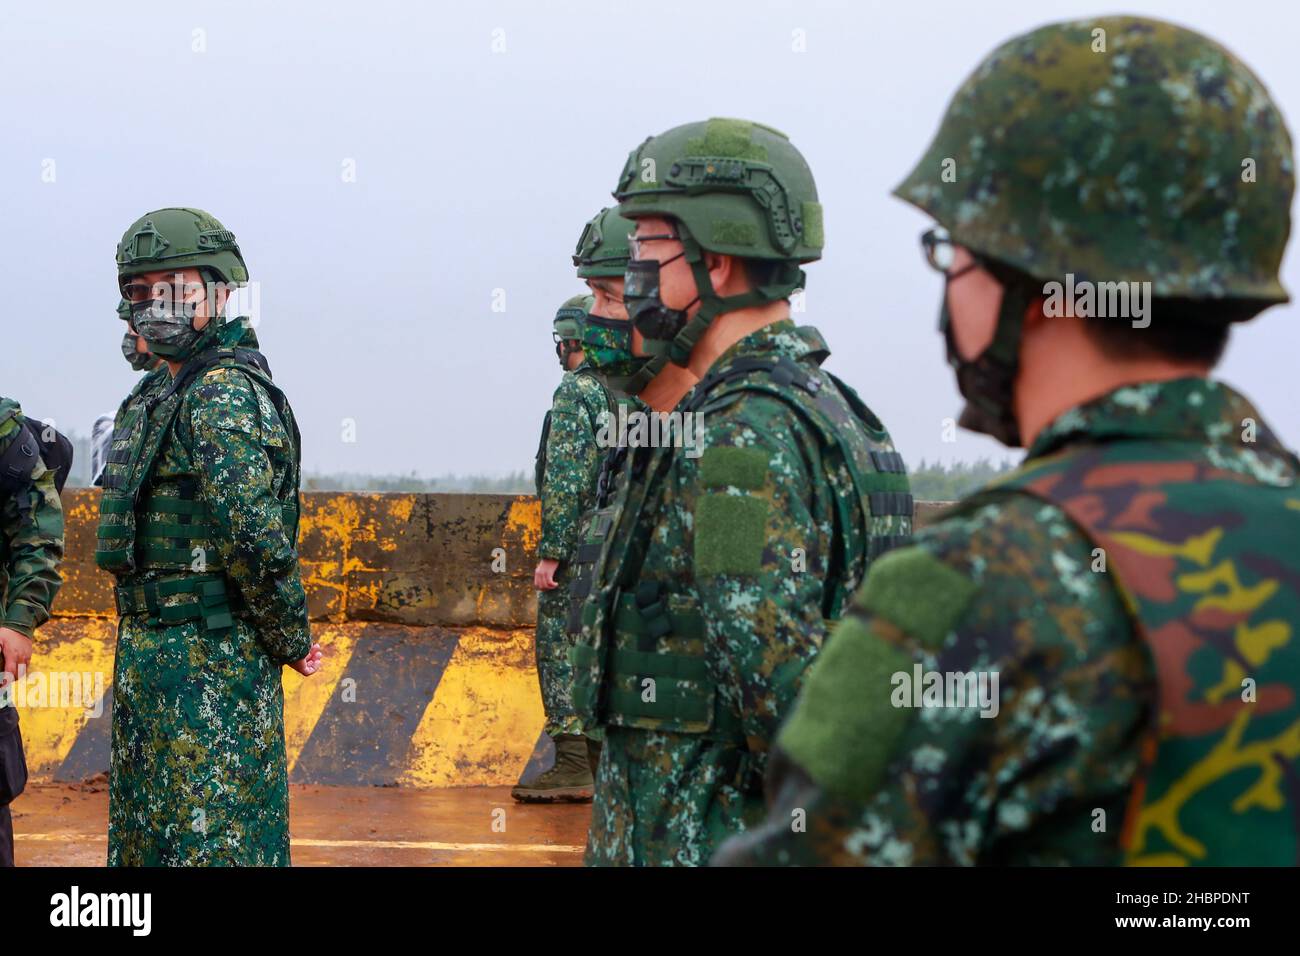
x=424 y=607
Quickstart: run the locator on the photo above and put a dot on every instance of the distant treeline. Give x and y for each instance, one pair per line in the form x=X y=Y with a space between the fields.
x=515 y=483
x=930 y=482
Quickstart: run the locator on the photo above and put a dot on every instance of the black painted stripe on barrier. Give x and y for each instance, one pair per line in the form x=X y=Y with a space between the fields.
x=364 y=742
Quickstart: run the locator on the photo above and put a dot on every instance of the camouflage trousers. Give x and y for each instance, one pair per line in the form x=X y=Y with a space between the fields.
x=667 y=799
x=554 y=672
x=198 y=771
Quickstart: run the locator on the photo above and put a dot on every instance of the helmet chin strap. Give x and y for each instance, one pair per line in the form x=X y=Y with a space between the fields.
x=677 y=350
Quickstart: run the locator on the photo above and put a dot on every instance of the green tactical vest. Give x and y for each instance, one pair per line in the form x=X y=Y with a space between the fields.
x=163 y=525
x=635 y=630
x=1207 y=561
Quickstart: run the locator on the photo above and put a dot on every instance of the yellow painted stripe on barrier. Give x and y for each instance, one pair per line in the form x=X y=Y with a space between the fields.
x=305 y=697
x=484 y=720
x=71 y=670
x=479 y=729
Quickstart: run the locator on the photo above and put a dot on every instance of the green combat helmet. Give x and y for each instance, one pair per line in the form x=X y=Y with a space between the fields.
x=603 y=252
x=603 y=248
x=1118 y=149
x=567 y=327
x=735 y=188
x=177 y=238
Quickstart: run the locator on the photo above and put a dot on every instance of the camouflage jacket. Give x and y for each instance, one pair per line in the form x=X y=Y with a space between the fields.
x=580 y=407
x=736 y=548
x=31 y=540
x=1008 y=590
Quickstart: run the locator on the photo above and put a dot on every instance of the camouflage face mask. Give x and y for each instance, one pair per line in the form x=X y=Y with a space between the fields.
x=135 y=358
x=169 y=333
x=607 y=346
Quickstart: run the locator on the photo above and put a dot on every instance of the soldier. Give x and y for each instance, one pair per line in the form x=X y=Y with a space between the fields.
x=567 y=462
x=31 y=547
x=590 y=348
x=198 y=523
x=725 y=549
x=137 y=355
x=1130 y=595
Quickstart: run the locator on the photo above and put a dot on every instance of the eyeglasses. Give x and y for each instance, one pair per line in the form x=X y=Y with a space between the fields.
x=635 y=243
x=941 y=253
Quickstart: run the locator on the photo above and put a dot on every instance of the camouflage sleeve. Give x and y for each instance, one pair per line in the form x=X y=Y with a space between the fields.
x=759 y=557
x=981 y=704
x=31 y=522
x=572 y=462
x=237 y=441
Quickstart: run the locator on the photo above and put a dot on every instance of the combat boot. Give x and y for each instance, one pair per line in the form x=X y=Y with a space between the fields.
x=568 y=781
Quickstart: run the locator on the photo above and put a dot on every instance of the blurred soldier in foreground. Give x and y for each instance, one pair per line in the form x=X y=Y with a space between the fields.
x=737 y=532
x=31 y=548
x=199 y=523
x=1095 y=659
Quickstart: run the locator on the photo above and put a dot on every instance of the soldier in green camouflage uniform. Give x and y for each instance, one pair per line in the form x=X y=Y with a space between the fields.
x=198 y=523
x=567 y=464
x=588 y=347
x=724 y=551
x=31 y=547
x=1135 y=586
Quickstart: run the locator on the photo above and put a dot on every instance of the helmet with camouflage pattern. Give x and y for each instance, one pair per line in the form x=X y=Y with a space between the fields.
x=1116 y=149
x=740 y=189
x=568 y=326
x=177 y=238
x=603 y=246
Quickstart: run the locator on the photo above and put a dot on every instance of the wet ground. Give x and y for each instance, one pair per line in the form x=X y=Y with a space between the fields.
x=59 y=825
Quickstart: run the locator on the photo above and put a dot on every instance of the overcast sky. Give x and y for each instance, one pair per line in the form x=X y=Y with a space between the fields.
x=475 y=169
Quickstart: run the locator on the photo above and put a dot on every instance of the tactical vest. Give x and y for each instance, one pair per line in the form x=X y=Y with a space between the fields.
x=539 y=462
x=164 y=526
x=1207 y=560
x=633 y=630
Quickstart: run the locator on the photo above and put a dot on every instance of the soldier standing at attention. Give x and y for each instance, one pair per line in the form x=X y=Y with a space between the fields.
x=199 y=523
x=31 y=548
x=567 y=462
x=1134 y=587
x=723 y=555
x=593 y=343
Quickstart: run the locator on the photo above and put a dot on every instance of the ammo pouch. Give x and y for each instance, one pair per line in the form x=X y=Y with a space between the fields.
x=13 y=762
x=210 y=600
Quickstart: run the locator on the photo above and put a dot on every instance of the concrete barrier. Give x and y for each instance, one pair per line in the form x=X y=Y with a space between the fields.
x=424 y=606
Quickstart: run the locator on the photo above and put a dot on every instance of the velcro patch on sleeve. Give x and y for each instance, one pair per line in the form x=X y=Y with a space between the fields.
x=844 y=729
x=729 y=534
x=725 y=465
x=917 y=592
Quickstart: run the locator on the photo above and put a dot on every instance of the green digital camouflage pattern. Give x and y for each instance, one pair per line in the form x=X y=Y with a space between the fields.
x=31 y=540
x=1007 y=583
x=198 y=760
x=1119 y=148
x=573 y=456
x=738 y=535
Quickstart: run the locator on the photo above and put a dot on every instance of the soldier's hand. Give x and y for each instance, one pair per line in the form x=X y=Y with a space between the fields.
x=544 y=574
x=17 y=650
x=309 y=664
